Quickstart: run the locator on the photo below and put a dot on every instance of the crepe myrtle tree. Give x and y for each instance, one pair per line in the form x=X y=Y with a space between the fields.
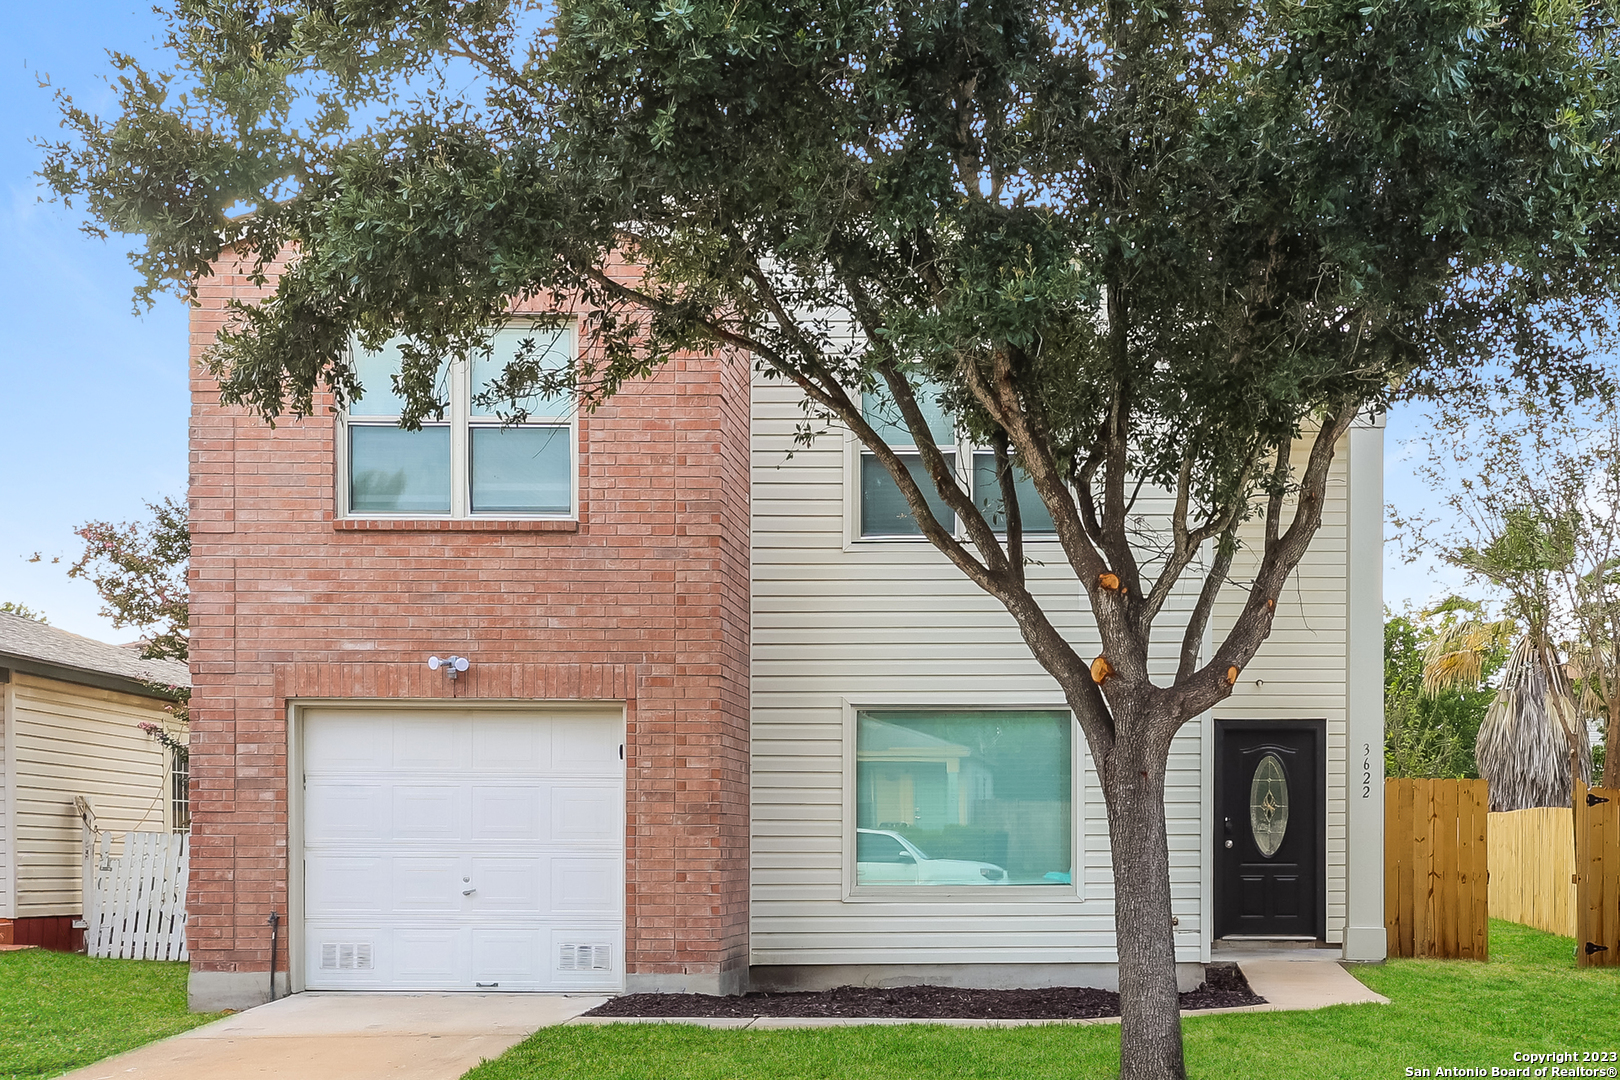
x=1127 y=246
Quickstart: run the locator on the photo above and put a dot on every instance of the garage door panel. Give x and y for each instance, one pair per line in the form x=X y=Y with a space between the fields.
x=345 y=956
x=509 y=957
x=508 y=884
x=429 y=958
x=509 y=745
x=428 y=811
x=472 y=849
x=344 y=885
x=334 y=810
x=506 y=811
x=425 y=743
x=338 y=746
x=587 y=813
x=427 y=883
x=586 y=956
x=585 y=748
x=585 y=886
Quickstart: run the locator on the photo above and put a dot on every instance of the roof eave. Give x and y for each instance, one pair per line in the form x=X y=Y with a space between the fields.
x=100 y=680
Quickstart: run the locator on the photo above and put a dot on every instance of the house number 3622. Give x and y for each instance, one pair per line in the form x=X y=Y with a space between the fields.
x=1366 y=770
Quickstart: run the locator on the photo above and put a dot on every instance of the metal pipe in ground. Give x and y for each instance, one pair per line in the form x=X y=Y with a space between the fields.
x=275 y=927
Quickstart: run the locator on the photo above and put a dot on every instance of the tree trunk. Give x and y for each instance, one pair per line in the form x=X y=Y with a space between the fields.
x=1150 y=1007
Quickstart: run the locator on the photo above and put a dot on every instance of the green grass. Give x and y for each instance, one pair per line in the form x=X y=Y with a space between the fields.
x=59 y=1011
x=1529 y=997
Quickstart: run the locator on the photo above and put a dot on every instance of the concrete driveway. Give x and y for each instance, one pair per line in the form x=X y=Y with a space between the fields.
x=316 y=1036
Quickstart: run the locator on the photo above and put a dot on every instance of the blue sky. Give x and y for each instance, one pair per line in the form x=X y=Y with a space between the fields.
x=93 y=398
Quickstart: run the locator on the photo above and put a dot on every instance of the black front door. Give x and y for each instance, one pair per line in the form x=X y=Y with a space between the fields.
x=1268 y=828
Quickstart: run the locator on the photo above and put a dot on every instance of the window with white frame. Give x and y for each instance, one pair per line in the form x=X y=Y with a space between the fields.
x=471 y=463
x=963 y=798
x=180 y=788
x=883 y=511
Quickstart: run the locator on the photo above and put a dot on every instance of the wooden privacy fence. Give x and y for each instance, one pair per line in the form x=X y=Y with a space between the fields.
x=1435 y=868
x=1597 y=876
x=135 y=903
x=1532 y=859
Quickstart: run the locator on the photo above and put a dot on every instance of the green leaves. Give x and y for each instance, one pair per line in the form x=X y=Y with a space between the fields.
x=1200 y=227
x=139 y=571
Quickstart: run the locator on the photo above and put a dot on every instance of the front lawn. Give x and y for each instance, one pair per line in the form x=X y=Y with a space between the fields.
x=1529 y=997
x=59 y=1011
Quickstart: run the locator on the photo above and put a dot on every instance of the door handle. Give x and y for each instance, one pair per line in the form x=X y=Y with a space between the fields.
x=469 y=892
x=1229 y=843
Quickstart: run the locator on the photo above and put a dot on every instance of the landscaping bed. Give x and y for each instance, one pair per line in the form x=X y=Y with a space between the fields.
x=1224 y=988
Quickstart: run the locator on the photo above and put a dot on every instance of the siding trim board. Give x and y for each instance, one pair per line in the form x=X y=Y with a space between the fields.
x=8 y=798
x=79 y=677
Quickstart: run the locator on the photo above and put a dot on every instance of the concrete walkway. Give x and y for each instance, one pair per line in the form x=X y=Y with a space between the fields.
x=1289 y=985
x=324 y=1036
x=316 y=1036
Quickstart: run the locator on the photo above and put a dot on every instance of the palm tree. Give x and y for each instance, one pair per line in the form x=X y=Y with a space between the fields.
x=1532 y=744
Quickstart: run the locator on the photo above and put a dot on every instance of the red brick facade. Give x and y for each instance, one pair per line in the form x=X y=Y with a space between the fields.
x=644 y=600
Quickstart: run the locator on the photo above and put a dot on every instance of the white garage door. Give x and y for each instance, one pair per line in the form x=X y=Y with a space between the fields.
x=463 y=850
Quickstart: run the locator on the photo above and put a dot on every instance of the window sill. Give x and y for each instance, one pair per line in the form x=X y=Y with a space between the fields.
x=454 y=525
x=946 y=894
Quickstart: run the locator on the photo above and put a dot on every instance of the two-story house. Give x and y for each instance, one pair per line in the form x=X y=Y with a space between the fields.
x=637 y=699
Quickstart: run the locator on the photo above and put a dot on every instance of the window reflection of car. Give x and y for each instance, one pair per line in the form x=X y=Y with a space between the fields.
x=887 y=858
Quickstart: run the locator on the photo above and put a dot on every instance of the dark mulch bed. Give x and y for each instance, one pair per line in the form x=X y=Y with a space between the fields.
x=1224 y=987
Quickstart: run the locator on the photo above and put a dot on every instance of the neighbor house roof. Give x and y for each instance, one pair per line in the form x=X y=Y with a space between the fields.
x=37 y=649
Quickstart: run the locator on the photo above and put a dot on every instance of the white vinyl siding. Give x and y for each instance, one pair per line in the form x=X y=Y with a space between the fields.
x=8 y=821
x=840 y=626
x=76 y=740
x=1299 y=674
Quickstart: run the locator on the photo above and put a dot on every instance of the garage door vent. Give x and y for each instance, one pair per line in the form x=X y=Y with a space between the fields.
x=584 y=958
x=341 y=956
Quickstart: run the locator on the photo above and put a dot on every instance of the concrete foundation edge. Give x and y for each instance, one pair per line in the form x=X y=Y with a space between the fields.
x=216 y=991
x=720 y=983
x=967 y=976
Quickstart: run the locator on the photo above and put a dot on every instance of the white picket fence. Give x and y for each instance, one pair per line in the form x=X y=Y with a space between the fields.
x=135 y=902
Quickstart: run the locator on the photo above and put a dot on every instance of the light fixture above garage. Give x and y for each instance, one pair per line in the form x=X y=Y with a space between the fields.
x=450 y=665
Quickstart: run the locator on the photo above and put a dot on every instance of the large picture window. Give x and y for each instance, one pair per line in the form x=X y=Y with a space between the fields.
x=883 y=509
x=963 y=798
x=470 y=464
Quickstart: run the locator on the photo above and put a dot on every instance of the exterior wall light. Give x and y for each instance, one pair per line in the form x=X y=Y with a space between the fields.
x=450 y=665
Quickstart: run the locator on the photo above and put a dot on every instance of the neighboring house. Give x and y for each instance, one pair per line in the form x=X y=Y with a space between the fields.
x=722 y=723
x=73 y=707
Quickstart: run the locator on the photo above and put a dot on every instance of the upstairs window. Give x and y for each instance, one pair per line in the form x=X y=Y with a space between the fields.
x=469 y=464
x=883 y=509
x=1032 y=511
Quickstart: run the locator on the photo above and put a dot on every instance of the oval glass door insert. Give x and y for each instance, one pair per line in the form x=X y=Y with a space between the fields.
x=1268 y=805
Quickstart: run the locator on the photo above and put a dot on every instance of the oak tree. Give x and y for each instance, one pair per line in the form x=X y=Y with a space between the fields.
x=1123 y=244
